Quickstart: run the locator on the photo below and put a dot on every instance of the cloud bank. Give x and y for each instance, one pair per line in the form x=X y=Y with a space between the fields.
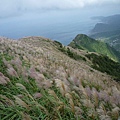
x=15 y=7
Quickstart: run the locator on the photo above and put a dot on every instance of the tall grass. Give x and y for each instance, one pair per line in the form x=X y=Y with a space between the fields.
x=39 y=82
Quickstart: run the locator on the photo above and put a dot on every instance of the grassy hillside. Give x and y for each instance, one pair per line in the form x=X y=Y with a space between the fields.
x=110 y=37
x=84 y=42
x=41 y=79
x=108 y=31
x=105 y=65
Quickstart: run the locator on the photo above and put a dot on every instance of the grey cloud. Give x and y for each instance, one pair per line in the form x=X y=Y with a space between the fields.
x=17 y=7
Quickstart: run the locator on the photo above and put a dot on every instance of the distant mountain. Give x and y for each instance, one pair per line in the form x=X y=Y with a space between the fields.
x=84 y=42
x=108 y=30
x=109 y=23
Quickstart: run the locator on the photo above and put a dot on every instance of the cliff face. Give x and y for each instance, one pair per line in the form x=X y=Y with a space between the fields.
x=42 y=79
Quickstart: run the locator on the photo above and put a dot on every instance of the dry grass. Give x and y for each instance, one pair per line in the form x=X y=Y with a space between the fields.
x=40 y=82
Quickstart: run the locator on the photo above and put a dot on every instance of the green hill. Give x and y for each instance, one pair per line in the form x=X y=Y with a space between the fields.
x=84 y=42
x=108 y=31
x=110 y=37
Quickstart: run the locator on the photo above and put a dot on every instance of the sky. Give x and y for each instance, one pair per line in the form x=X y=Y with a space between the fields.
x=9 y=8
x=55 y=19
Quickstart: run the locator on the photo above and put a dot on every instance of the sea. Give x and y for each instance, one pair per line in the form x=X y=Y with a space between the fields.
x=59 y=25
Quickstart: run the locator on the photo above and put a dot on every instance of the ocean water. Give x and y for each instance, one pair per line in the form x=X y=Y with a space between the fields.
x=58 y=25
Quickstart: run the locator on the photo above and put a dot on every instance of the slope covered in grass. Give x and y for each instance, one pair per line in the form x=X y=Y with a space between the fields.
x=84 y=42
x=40 y=81
x=111 y=37
x=105 y=65
x=108 y=31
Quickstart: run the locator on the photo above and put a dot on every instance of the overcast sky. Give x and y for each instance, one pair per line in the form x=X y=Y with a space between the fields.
x=16 y=7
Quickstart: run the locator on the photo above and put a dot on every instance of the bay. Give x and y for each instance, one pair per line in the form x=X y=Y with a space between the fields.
x=60 y=25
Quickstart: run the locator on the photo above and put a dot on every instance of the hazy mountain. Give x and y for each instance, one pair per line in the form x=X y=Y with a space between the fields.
x=84 y=42
x=43 y=79
x=108 y=30
x=109 y=23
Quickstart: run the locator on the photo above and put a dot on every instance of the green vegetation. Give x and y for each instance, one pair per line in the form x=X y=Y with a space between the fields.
x=111 y=37
x=110 y=32
x=105 y=65
x=92 y=45
x=69 y=52
x=25 y=100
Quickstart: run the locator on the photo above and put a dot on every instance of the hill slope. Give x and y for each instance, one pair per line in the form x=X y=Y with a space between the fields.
x=82 y=41
x=42 y=79
x=108 y=31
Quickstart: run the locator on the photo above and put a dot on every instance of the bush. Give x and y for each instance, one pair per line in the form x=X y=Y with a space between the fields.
x=104 y=64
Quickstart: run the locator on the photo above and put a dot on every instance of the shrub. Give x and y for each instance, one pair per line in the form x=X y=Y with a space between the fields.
x=105 y=65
